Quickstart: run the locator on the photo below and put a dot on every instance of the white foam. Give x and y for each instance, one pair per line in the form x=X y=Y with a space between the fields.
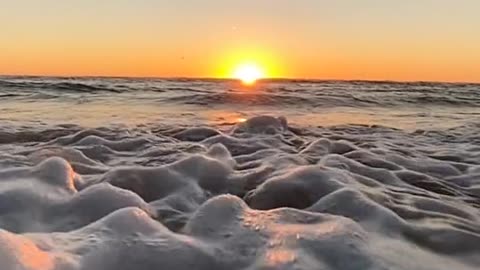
x=347 y=197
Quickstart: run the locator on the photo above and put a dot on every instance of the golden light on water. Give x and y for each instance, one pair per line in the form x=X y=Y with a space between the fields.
x=241 y=120
x=248 y=73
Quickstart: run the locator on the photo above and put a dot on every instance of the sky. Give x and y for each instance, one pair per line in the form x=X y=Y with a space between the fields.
x=405 y=40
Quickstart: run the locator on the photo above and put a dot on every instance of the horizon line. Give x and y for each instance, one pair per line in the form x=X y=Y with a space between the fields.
x=234 y=79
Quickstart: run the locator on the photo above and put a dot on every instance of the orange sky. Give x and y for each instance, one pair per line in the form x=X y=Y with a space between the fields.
x=408 y=40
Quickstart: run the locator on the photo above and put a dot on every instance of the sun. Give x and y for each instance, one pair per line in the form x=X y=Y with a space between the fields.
x=248 y=73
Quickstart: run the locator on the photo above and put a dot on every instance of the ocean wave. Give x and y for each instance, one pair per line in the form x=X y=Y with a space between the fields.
x=267 y=93
x=62 y=86
x=321 y=100
x=260 y=195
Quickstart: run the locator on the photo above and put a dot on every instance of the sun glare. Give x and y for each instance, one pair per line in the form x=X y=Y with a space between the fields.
x=248 y=73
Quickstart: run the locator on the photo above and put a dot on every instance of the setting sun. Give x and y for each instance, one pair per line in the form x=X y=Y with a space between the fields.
x=248 y=73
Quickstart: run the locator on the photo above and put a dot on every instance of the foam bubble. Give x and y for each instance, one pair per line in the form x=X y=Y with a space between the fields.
x=263 y=195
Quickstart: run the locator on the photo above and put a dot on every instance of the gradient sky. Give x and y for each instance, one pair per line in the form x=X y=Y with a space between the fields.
x=325 y=39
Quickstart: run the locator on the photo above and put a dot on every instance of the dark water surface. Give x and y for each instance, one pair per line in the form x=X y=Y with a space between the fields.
x=103 y=101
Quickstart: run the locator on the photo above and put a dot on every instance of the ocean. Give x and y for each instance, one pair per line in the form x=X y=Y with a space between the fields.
x=144 y=173
x=97 y=102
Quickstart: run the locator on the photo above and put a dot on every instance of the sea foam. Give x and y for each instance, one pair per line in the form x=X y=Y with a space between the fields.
x=259 y=195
